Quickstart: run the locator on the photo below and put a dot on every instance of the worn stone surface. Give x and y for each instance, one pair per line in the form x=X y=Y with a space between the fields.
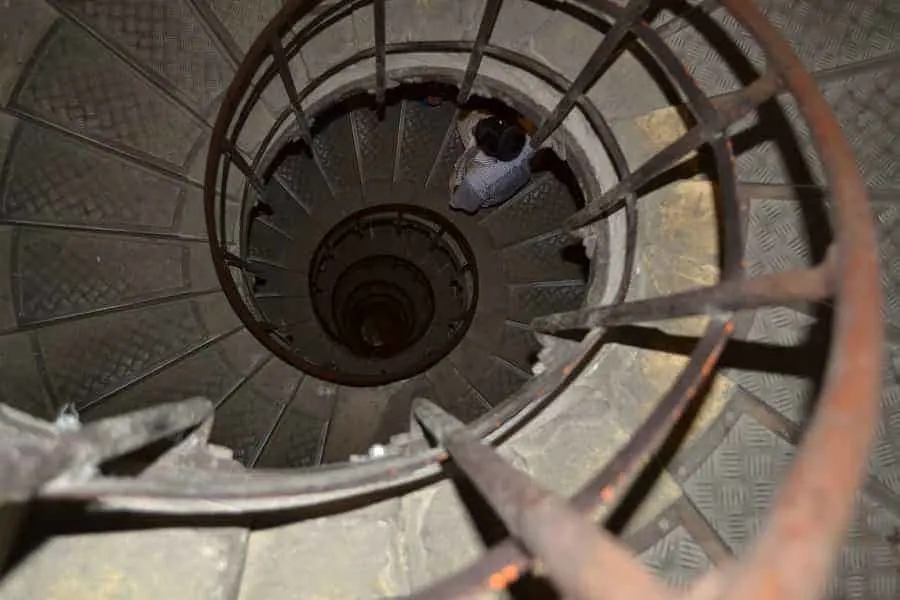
x=201 y=564
x=415 y=20
x=565 y=58
x=356 y=554
x=439 y=534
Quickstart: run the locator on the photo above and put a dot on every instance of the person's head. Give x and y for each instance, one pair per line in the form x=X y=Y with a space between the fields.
x=498 y=139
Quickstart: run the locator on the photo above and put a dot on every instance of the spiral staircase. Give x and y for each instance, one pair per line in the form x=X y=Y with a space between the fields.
x=209 y=198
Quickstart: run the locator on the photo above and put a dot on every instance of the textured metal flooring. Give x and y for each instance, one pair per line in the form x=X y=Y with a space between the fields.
x=111 y=303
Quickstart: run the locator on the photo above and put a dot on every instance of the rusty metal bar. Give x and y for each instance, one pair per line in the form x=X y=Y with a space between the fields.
x=592 y=70
x=814 y=504
x=812 y=284
x=117 y=436
x=485 y=29
x=506 y=561
x=380 y=53
x=235 y=156
x=729 y=110
x=287 y=80
x=580 y=559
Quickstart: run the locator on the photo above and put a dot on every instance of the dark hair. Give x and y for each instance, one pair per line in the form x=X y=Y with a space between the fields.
x=499 y=139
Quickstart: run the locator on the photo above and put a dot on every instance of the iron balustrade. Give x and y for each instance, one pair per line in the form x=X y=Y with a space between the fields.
x=803 y=532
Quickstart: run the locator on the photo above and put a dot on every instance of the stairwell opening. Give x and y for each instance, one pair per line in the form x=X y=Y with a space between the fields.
x=359 y=267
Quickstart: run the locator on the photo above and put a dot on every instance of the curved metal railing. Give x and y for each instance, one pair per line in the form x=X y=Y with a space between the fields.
x=813 y=507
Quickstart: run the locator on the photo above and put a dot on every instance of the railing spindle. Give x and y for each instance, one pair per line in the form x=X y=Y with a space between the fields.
x=488 y=21
x=284 y=71
x=728 y=111
x=579 y=558
x=380 y=51
x=595 y=66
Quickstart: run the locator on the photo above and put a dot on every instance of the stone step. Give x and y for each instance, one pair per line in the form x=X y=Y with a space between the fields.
x=335 y=151
x=298 y=438
x=279 y=279
x=455 y=394
x=172 y=44
x=538 y=208
x=269 y=243
x=306 y=182
x=528 y=301
x=290 y=213
x=376 y=142
x=492 y=377
x=88 y=71
x=422 y=130
x=57 y=180
x=356 y=419
x=553 y=256
x=213 y=372
x=286 y=310
x=245 y=419
x=59 y=273
x=135 y=344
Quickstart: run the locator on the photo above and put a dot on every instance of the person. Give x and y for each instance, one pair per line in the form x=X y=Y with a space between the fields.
x=496 y=164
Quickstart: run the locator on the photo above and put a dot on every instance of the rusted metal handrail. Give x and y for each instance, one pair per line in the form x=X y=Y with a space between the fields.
x=570 y=548
x=814 y=506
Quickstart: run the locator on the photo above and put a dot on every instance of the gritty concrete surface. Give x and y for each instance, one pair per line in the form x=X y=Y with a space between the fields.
x=356 y=554
x=200 y=564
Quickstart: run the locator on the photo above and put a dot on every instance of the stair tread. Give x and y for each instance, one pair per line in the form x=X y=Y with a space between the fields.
x=376 y=141
x=552 y=256
x=135 y=343
x=422 y=130
x=244 y=420
x=527 y=301
x=493 y=378
x=537 y=208
x=209 y=373
x=73 y=61
x=356 y=419
x=334 y=151
x=455 y=394
x=518 y=346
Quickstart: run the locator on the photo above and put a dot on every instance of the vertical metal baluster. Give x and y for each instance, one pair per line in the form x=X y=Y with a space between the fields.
x=235 y=156
x=580 y=558
x=595 y=66
x=284 y=71
x=380 y=35
x=485 y=30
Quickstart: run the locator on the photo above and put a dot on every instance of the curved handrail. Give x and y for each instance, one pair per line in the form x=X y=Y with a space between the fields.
x=812 y=509
x=294 y=12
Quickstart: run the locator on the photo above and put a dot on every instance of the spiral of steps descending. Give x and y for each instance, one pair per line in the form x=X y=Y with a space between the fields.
x=121 y=172
x=373 y=188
